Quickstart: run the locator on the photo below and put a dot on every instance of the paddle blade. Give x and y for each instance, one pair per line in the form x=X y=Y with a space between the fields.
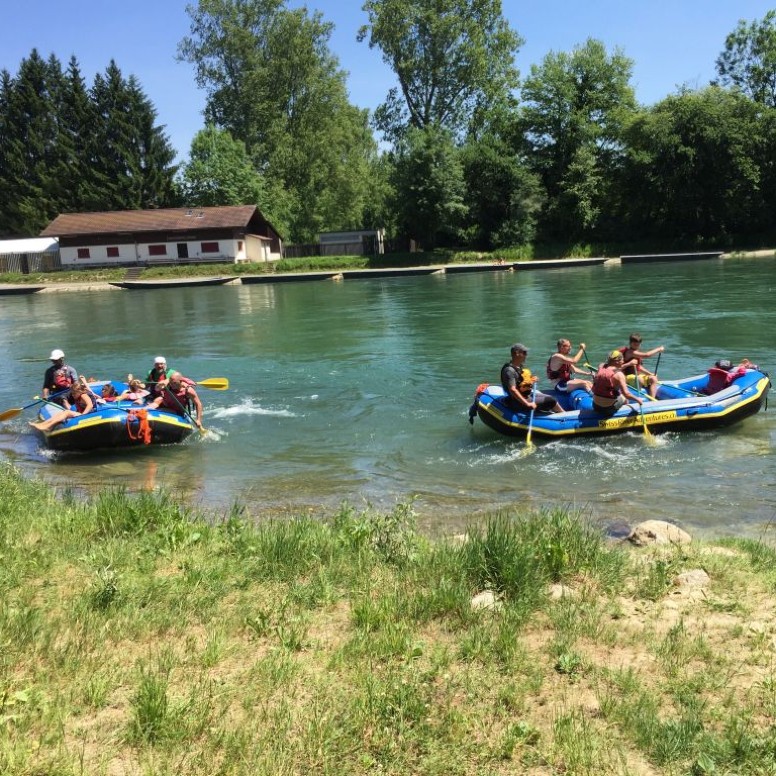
x=648 y=436
x=215 y=383
x=12 y=413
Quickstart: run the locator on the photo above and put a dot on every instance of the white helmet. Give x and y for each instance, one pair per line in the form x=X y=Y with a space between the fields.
x=56 y=355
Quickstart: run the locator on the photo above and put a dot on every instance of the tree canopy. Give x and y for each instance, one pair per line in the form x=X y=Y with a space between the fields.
x=219 y=172
x=273 y=83
x=575 y=107
x=454 y=60
x=66 y=148
x=749 y=59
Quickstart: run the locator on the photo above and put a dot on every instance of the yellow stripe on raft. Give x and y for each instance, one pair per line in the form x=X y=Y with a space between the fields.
x=635 y=420
x=97 y=420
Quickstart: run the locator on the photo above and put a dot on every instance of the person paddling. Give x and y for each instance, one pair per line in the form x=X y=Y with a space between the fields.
x=517 y=381
x=58 y=378
x=610 y=389
x=635 y=371
x=159 y=375
x=175 y=396
x=561 y=368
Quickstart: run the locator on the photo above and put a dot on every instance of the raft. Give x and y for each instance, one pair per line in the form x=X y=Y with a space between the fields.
x=680 y=405
x=114 y=425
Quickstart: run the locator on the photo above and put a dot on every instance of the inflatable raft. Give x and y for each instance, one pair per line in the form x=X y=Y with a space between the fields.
x=681 y=405
x=114 y=425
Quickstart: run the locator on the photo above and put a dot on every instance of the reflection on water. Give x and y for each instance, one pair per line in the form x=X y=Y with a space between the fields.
x=358 y=391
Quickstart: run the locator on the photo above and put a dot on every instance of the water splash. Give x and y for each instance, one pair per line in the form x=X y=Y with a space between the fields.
x=248 y=407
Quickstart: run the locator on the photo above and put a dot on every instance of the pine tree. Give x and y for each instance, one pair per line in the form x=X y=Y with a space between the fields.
x=31 y=146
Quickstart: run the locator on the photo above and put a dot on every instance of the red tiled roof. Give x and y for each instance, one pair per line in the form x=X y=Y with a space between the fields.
x=170 y=220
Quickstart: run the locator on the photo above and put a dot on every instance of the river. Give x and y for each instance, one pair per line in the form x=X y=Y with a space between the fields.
x=358 y=391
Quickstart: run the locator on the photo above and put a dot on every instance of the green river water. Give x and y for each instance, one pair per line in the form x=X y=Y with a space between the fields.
x=358 y=391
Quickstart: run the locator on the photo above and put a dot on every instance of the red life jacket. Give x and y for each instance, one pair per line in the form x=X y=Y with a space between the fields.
x=62 y=378
x=562 y=373
x=79 y=402
x=175 y=400
x=719 y=379
x=604 y=384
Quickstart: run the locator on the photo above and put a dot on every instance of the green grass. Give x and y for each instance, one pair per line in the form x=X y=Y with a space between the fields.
x=140 y=635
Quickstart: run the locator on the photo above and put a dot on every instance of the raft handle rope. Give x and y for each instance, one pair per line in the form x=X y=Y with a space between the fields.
x=481 y=388
x=144 y=427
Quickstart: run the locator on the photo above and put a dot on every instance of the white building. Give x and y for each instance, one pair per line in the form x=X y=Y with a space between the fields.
x=169 y=236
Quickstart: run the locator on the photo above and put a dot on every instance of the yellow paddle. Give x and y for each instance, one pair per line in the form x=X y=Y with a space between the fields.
x=12 y=413
x=647 y=433
x=529 y=444
x=214 y=383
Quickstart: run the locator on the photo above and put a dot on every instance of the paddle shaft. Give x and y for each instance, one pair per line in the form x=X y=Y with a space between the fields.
x=647 y=433
x=531 y=417
x=213 y=383
x=12 y=413
x=185 y=411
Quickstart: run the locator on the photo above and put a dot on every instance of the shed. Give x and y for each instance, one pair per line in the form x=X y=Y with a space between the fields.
x=29 y=254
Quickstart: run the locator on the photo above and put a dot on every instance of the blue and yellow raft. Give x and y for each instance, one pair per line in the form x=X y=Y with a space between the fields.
x=680 y=405
x=114 y=425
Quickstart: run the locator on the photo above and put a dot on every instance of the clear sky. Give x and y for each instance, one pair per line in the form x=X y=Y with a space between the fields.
x=672 y=43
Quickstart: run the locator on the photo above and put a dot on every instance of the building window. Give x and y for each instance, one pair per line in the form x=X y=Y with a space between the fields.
x=210 y=247
x=157 y=250
x=83 y=253
x=239 y=245
x=113 y=252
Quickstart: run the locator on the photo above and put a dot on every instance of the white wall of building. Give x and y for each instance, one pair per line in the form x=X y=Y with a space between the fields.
x=218 y=251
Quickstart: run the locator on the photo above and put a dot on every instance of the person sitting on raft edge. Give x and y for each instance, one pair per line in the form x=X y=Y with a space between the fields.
x=561 y=368
x=610 y=388
x=635 y=371
x=175 y=396
x=723 y=373
x=518 y=382
x=77 y=402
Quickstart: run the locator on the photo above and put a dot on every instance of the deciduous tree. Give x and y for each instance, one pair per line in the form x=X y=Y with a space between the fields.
x=219 y=172
x=454 y=60
x=749 y=59
x=575 y=108
x=694 y=168
x=503 y=196
x=272 y=81
x=429 y=187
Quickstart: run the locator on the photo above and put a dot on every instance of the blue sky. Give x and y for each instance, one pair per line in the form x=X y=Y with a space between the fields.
x=672 y=43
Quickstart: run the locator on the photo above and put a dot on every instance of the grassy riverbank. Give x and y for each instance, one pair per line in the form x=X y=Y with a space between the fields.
x=138 y=637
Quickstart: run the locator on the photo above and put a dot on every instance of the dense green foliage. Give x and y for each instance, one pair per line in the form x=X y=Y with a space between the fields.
x=273 y=83
x=219 y=172
x=66 y=148
x=471 y=158
x=454 y=60
x=749 y=59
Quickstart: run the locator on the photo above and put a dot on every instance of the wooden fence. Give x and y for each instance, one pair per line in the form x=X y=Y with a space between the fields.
x=367 y=247
x=27 y=263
